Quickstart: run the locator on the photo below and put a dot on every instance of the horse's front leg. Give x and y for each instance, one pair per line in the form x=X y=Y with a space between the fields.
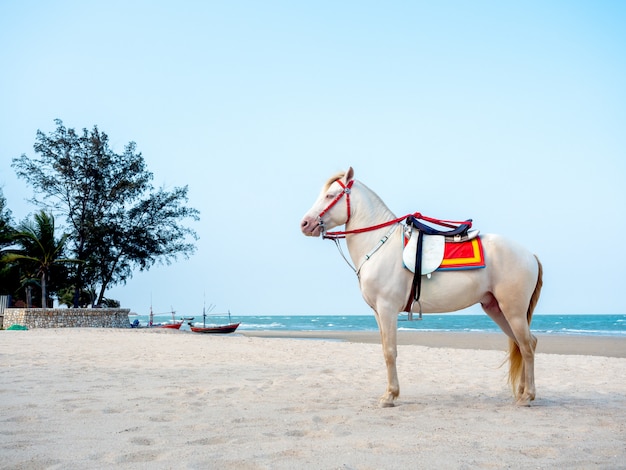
x=388 y=326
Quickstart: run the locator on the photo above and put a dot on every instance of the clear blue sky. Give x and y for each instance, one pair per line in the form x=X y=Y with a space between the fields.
x=513 y=114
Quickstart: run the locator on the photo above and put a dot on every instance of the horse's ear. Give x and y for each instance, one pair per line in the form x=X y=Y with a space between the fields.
x=349 y=175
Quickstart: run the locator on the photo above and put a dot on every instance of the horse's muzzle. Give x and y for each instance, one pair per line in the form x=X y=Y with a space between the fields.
x=310 y=227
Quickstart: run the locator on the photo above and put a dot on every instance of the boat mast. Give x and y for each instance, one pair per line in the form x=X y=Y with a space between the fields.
x=204 y=312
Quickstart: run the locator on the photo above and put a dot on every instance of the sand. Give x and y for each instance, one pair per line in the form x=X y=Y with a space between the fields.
x=552 y=344
x=105 y=398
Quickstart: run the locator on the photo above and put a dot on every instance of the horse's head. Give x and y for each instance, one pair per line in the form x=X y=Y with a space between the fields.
x=332 y=207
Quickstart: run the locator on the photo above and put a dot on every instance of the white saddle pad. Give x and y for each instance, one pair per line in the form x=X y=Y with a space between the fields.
x=432 y=252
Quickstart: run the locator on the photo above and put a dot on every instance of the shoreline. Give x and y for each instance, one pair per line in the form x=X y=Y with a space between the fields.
x=583 y=345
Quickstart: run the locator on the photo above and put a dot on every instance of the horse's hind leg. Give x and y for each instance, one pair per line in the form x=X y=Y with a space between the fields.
x=524 y=346
x=388 y=326
x=521 y=348
x=492 y=308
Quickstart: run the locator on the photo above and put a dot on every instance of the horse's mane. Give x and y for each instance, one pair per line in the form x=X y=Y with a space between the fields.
x=334 y=178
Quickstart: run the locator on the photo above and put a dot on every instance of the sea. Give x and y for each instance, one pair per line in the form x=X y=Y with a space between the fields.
x=580 y=324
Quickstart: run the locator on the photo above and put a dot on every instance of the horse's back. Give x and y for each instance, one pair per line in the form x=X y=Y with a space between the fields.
x=505 y=255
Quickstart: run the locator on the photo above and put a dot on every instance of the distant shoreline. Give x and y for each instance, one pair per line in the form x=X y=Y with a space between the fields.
x=584 y=345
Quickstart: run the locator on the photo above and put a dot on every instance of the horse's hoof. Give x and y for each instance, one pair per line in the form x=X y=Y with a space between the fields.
x=386 y=403
x=523 y=402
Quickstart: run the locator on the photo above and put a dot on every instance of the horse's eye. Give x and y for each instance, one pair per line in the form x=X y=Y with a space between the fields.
x=330 y=196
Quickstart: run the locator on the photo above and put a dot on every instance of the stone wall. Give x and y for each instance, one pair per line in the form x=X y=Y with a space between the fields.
x=67 y=317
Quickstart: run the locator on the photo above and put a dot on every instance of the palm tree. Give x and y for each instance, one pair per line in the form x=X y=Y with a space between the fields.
x=6 y=240
x=8 y=279
x=40 y=251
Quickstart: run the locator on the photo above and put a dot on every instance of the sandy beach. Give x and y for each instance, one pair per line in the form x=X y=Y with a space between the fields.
x=80 y=398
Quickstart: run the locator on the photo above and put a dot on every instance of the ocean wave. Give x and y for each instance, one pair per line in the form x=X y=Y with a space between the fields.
x=262 y=326
x=575 y=332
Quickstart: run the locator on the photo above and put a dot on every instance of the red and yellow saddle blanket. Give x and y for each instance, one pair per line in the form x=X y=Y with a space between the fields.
x=463 y=255
x=441 y=255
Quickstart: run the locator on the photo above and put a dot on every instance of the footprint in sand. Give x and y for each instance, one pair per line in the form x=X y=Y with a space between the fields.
x=142 y=441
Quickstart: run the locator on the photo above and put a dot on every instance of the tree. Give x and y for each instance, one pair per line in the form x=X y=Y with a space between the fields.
x=40 y=251
x=5 y=222
x=117 y=221
x=7 y=274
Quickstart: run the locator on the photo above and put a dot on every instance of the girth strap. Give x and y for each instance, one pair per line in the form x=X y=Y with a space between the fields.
x=417 y=277
x=416 y=285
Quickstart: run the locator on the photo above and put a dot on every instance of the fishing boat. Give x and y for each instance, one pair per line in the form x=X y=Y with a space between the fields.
x=172 y=325
x=214 y=329
x=218 y=329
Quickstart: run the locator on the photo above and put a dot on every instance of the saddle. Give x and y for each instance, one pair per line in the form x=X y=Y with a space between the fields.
x=432 y=243
x=425 y=248
x=454 y=231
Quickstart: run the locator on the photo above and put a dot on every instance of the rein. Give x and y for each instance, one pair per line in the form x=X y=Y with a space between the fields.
x=367 y=256
x=417 y=215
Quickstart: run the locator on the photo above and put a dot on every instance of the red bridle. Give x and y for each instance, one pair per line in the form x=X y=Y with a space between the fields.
x=345 y=192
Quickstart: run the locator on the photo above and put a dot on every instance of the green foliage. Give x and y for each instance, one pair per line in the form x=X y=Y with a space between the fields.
x=7 y=277
x=66 y=297
x=86 y=298
x=40 y=254
x=117 y=221
x=5 y=223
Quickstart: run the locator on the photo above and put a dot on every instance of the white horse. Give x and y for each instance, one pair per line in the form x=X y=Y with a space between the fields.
x=508 y=287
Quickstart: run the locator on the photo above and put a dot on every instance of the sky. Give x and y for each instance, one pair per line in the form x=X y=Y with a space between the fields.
x=509 y=113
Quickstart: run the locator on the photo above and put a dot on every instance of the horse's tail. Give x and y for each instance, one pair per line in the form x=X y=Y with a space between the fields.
x=516 y=364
